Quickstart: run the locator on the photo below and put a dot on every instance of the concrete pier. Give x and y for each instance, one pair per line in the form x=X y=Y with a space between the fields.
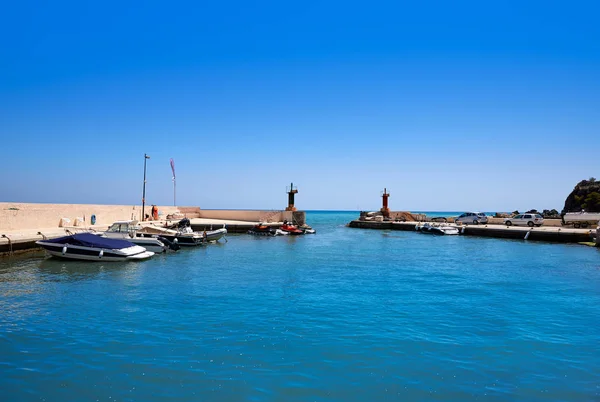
x=550 y=234
x=15 y=242
x=202 y=224
x=22 y=224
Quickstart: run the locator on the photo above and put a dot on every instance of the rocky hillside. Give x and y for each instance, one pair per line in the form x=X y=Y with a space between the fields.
x=585 y=196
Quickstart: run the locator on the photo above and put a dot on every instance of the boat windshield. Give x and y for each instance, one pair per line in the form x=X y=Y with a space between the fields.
x=122 y=228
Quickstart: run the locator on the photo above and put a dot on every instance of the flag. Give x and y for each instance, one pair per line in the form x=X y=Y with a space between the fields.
x=173 y=168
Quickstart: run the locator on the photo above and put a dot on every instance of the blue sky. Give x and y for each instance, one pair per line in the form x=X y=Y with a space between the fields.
x=450 y=105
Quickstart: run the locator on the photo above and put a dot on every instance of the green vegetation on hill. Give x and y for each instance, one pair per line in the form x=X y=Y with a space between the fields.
x=585 y=196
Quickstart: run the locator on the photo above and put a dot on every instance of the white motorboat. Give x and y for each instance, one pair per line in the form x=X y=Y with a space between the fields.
x=183 y=233
x=172 y=235
x=128 y=230
x=441 y=229
x=207 y=235
x=91 y=247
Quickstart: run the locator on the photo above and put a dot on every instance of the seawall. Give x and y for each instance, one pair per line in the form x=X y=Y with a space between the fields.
x=29 y=216
x=266 y=216
x=22 y=224
x=25 y=216
x=550 y=234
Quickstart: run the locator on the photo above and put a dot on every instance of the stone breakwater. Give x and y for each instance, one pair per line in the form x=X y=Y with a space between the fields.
x=544 y=233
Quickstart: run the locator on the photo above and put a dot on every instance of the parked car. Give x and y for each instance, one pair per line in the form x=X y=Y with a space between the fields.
x=472 y=217
x=530 y=220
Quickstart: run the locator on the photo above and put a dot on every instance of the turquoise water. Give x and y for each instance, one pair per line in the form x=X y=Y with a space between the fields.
x=345 y=315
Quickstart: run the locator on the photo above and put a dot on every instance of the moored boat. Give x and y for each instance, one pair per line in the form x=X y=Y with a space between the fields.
x=307 y=229
x=184 y=226
x=263 y=230
x=128 y=230
x=291 y=229
x=174 y=236
x=91 y=247
x=438 y=229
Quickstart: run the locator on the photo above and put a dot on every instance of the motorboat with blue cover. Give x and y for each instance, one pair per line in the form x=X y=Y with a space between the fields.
x=91 y=247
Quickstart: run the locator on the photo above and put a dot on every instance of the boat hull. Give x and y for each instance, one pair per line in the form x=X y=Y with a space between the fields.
x=184 y=240
x=263 y=231
x=438 y=230
x=293 y=232
x=93 y=254
x=214 y=235
x=154 y=245
x=149 y=243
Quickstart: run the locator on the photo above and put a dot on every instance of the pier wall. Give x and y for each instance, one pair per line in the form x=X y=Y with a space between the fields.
x=29 y=216
x=18 y=217
x=21 y=224
x=550 y=234
x=266 y=216
x=242 y=215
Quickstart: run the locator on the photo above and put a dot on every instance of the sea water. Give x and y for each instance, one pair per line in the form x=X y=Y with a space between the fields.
x=342 y=315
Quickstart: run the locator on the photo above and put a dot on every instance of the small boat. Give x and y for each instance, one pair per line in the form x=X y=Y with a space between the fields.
x=214 y=235
x=174 y=236
x=307 y=229
x=184 y=226
x=291 y=229
x=438 y=229
x=128 y=230
x=182 y=233
x=264 y=230
x=91 y=247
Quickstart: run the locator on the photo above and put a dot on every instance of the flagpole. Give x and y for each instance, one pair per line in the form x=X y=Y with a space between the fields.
x=174 y=182
x=144 y=190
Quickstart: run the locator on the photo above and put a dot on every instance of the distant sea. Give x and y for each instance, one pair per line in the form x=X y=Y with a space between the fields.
x=342 y=315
